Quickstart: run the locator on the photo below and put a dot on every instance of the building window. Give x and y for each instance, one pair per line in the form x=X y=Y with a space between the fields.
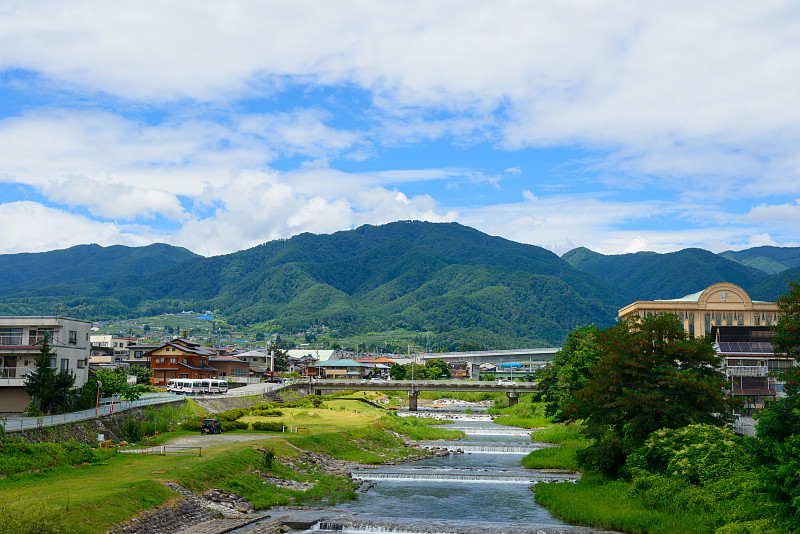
x=172 y=360
x=64 y=364
x=73 y=337
x=757 y=320
x=10 y=336
x=729 y=319
x=691 y=325
x=160 y=360
x=718 y=319
x=708 y=323
x=81 y=363
x=138 y=353
x=769 y=320
x=740 y=319
x=53 y=363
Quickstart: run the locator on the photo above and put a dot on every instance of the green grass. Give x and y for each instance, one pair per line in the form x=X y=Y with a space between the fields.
x=603 y=504
x=570 y=441
x=419 y=428
x=524 y=414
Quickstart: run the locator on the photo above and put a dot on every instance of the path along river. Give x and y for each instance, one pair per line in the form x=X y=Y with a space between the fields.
x=482 y=490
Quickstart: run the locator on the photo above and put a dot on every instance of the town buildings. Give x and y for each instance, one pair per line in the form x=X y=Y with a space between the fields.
x=20 y=342
x=722 y=304
x=181 y=358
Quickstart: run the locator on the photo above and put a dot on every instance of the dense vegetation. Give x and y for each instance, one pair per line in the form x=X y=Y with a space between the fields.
x=456 y=282
x=656 y=458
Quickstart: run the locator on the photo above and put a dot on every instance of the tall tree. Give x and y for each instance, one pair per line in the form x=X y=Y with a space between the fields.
x=787 y=328
x=778 y=429
x=50 y=390
x=569 y=372
x=436 y=369
x=280 y=358
x=649 y=376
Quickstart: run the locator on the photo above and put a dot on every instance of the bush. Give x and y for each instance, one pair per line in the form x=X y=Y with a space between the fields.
x=192 y=424
x=132 y=430
x=695 y=453
x=228 y=426
x=30 y=516
x=268 y=426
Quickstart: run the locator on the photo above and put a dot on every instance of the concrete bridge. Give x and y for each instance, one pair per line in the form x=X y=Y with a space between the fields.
x=493 y=356
x=413 y=387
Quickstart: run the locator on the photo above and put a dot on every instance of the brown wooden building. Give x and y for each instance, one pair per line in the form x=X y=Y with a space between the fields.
x=181 y=358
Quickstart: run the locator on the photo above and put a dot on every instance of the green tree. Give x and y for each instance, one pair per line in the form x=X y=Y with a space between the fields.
x=778 y=429
x=50 y=390
x=649 y=376
x=280 y=358
x=397 y=372
x=787 y=328
x=436 y=369
x=778 y=451
x=569 y=372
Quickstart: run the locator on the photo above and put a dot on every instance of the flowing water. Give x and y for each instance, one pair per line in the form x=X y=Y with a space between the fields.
x=482 y=489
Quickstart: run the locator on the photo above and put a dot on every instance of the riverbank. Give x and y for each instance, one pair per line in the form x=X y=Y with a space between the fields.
x=104 y=492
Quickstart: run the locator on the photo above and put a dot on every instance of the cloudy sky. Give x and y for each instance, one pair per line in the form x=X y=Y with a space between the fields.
x=220 y=125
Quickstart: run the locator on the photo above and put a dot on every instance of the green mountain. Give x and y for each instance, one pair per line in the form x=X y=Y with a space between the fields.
x=771 y=260
x=775 y=285
x=86 y=263
x=446 y=278
x=651 y=276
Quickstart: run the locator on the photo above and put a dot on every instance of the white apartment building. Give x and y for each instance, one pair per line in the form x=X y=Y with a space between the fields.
x=20 y=342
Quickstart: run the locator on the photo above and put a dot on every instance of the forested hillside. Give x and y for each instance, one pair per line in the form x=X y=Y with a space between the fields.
x=651 y=276
x=771 y=260
x=445 y=278
x=86 y=263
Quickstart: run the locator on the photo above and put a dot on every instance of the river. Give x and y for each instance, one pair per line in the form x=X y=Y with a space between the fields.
x=483 y=489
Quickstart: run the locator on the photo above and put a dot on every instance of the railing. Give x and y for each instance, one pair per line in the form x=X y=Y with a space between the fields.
x=746 y=370
x=110 y=405
x=14 y=372
x=107 y=406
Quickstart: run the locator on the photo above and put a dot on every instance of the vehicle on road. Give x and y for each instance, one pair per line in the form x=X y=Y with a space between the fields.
x=504 y=382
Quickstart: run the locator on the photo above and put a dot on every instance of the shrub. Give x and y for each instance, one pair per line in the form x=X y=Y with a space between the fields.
x=696 y=453
x=268 y=426
x=132 y=430
x=228 y=426
x=192 y=424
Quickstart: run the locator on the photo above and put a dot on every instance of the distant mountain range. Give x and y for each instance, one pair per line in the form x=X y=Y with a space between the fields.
x=444 y=278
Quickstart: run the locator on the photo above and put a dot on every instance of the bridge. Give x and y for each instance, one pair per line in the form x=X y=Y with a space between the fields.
x=494 y=356
x=413 y=387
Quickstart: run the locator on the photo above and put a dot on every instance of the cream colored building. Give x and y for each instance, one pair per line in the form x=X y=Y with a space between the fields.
x=722 y=304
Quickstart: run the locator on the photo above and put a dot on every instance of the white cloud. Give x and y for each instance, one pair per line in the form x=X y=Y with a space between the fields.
x=32 y=227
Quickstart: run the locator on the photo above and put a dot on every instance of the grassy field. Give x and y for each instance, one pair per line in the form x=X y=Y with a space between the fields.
x=98 y=494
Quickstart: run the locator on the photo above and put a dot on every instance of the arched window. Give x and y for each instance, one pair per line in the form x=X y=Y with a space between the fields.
x=729 y=319
x=718 y=319
x=691 y=325
x=757 y=320
x=740 y=319
x=708 y=323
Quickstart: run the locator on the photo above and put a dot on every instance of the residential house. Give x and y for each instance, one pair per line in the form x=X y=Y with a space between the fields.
x=231 y=368
x=20 y=342
x=181 y=358
x=343 y=369
x=119 y=344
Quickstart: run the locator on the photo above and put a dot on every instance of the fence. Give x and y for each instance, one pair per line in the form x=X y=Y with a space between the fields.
x=168 y=450
x=110 y=405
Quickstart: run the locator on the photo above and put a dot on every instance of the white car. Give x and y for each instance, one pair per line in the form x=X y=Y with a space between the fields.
x=505 y=382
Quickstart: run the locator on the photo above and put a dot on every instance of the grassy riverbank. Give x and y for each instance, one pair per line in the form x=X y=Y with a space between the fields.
x=649 y=504
x=105 y=489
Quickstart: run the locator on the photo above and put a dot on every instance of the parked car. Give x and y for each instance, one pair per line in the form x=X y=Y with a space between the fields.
x=275 y=380
x=210 y=426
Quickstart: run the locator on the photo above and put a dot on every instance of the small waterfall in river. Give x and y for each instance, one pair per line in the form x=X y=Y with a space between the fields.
x=482 y=488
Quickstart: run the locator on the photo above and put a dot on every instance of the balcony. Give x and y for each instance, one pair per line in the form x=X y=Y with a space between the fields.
x=13 y=376
x=746 y=370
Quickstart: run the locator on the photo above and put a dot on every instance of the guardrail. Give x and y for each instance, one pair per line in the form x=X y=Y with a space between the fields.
x=111 y=405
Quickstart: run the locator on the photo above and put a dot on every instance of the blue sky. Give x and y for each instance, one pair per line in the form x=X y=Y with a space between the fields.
x=220 y=125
